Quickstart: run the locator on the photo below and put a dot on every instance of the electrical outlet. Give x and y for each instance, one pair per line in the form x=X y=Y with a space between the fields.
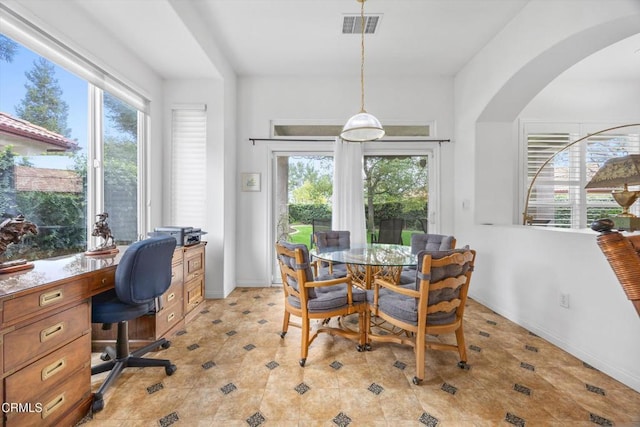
x=564 y=300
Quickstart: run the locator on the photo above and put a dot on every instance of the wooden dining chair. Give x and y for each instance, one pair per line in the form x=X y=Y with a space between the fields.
x=434 y=306
x=332 y=240
x=317 y=298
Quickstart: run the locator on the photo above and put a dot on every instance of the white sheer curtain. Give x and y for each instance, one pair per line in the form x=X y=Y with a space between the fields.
x=348 y=197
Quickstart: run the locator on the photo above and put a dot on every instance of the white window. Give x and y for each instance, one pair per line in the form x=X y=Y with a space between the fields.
x=80 y=149
x=558 y=168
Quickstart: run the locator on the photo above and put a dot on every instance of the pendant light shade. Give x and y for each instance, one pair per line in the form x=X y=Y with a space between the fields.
x=363 y=126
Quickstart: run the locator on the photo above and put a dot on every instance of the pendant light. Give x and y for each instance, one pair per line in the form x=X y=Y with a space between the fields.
x=363 y=126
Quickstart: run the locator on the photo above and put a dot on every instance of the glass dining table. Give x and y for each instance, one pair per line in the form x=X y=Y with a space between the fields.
x=365 y=262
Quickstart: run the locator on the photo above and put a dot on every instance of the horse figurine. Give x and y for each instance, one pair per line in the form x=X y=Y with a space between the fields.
x=12 y=230
x=102 y=229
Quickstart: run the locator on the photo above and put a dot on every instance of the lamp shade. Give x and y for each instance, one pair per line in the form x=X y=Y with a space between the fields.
x=617 y=172
x=361 y=128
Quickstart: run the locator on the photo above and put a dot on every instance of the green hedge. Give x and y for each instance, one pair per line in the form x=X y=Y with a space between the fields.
x=304 y=213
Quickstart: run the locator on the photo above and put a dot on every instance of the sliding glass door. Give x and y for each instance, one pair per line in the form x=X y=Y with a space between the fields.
x=396 y=186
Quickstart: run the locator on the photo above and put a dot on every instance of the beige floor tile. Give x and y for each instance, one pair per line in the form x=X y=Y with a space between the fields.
x=234 y=369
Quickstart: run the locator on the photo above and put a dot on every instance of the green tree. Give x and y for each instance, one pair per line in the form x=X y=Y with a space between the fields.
x=316 y=191
x=313 y=169
x=122 y=116
x=393 y=179
x=43 y=104
x=8 y=49
x=7 y=181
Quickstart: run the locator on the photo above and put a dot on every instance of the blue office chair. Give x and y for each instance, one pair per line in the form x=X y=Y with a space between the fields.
x=142 y=276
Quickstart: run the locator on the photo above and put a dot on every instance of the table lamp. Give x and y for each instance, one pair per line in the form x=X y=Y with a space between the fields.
x=620 y=172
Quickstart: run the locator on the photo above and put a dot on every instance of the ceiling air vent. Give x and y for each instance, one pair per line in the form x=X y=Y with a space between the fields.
x=351 y=24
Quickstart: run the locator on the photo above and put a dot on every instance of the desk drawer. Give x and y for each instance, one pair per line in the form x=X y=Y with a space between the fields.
x=102 y=281
x=173 y=294
x=27 y=384
x=43 y=301
x=193 y=263
x=176 y=274
x=32 y=341
x=55 y=402
x=168 y=317
x=194 y=293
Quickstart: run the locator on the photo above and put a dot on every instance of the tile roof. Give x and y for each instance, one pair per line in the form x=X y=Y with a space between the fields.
x=14 y=126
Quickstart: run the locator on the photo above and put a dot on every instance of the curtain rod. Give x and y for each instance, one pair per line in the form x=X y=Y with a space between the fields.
x=253 y=140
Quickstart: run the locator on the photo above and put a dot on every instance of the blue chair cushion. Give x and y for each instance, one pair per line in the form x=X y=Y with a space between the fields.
x=330 y=298
x=108 y=308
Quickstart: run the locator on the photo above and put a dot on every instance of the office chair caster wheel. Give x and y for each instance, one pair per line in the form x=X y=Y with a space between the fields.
x=97 y=405
x=169 y=370
x=166 y=345
x=463 y=365
x=105 y=357
x=282 y=334
x=302 y=362
x=416 y=380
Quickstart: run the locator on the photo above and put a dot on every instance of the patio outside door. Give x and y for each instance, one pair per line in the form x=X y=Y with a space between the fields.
x=395 y=186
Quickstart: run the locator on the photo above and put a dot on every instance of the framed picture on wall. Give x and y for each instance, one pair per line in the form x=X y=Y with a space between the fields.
x=250 y=182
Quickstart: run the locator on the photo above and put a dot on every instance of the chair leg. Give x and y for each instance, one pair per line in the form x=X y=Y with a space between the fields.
x=285 y=324
x=462 y=348
x=304 y=343
x=420 y=343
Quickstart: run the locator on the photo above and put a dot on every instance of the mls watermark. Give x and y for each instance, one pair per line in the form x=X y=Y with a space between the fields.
x=14 y=407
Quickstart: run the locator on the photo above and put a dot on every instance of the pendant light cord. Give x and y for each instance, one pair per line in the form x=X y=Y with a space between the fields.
x=362 y=56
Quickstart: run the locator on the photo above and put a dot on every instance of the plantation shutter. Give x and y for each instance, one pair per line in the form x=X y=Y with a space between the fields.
x=188 y=156
x=558 y=197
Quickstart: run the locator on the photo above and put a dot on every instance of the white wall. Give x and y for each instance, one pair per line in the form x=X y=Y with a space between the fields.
x=219 y=93
x=521 y=271
x=322 y=99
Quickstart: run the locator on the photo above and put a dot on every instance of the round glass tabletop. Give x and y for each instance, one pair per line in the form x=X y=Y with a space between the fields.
x=372 y=254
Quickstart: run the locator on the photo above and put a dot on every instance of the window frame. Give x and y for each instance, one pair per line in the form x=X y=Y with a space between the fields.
x=99 y=81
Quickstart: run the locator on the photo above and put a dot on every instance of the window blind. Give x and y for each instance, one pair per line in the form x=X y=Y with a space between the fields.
x=558 y=197
x=188 y=176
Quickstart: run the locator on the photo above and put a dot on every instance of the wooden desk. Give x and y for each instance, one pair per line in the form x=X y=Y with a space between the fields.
x=45 y=331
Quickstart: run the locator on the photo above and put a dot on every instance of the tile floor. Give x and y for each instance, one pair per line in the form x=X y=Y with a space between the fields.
x=235 y=370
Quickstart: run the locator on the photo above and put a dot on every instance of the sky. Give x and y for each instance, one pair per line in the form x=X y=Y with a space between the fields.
x=74 y=93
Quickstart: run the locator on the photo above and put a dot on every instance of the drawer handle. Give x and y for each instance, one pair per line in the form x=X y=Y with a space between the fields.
x=171 y=317
x=50 y=332
x=53 y=404
x=171 y=296
x=104 y=281
x=51 y=297
x=54 y=368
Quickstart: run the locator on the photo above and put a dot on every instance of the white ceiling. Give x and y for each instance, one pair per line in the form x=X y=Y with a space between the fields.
x=303 y=37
